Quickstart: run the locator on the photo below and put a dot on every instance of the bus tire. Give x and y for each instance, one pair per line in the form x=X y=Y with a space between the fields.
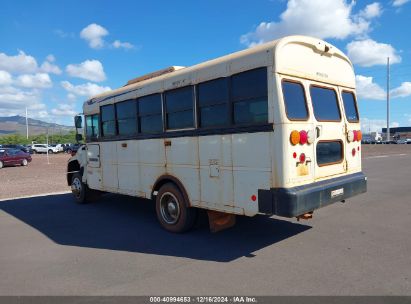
x=82 y=193
x=172 y=210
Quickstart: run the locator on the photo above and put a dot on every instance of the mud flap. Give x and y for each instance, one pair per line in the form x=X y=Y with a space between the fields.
x=220 y=220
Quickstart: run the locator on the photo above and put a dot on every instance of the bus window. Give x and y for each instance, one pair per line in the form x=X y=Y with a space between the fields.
x=325 y=104
x=294 y=100
x=350 y=106
x=213 y=99
x=108 y=122
x=179 y=108
x=127 y=117
x=92 y=127
x=249 y=95
x=149 y=110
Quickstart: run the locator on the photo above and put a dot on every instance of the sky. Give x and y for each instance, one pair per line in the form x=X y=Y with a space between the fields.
x=54 y=55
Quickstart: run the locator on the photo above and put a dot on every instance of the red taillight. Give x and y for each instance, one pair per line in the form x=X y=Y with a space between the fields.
x=353 y=152
x=303 y=137
x=294 y=155
x=302 y=158
x=355 y=135
x=253 y=197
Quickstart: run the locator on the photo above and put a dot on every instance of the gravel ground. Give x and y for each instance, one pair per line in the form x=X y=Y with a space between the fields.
x=40 y=178
x=37 y=178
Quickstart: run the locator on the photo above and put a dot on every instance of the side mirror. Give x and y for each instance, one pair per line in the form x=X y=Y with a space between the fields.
x=79 y=137
x=78 y=122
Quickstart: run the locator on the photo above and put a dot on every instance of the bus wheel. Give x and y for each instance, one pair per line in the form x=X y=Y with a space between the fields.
x=172 y=211
x=82 y=193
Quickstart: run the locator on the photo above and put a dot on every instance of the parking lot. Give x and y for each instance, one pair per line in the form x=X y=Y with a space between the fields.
x=52 y=246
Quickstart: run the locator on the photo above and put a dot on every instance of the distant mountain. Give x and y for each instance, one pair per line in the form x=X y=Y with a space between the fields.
x=17 y=124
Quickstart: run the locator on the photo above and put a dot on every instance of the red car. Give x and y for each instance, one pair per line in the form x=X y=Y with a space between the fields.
x=12 y=157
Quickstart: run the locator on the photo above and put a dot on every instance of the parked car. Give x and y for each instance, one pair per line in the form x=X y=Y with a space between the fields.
x=402 y=142
x=43 y=148
x=20 y=147
x=13 y=157
x=72 y=149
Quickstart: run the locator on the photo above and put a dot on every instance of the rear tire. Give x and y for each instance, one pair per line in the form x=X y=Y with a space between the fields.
x=82 y=193
x=172 y=210
x=50 y=151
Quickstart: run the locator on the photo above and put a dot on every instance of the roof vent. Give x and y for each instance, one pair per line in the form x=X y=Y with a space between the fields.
x=154 y=74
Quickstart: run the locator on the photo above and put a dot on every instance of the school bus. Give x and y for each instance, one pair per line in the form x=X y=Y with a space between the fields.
x=273 y=129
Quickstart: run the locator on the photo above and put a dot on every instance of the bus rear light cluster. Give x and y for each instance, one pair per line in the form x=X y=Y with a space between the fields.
x=301 y=137
x=302 y=158
x=355 y=135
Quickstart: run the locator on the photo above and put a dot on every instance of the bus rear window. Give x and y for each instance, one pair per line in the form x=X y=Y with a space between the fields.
x=329 y=152
x=350 y=106
x=294 y=99
x=325 y=104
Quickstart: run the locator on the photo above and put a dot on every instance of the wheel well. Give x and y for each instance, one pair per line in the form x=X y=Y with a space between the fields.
x=173 y=180
x=72 y=167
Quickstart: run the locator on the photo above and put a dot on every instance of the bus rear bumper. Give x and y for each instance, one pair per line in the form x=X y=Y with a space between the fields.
x=295 y=201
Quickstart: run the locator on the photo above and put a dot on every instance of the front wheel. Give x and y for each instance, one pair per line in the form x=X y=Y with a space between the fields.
x=24 y=162
x=1 y=164
x=50 y=151
x=172 y=210
x=82 y=193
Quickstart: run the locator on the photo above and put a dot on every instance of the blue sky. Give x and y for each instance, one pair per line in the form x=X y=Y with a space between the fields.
x=54 y=54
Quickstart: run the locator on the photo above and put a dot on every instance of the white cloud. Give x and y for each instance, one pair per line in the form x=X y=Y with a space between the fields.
x=50 y=58
x=38 y=81
x=375 y=125
x=88 y=89
x=93 y=34
x=372 y=10
x=369 y=52
x=367 y=89
x=48 y=67
x=126 y=45
x=64 y=110
x=20 y=63
x=13 y=100
x=399 y=2
x=90 y=70
x=404 y=90
x=5 y=78
x=319 y=18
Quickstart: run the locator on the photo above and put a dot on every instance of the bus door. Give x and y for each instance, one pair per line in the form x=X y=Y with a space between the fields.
x=330 y=129
x=93 y=166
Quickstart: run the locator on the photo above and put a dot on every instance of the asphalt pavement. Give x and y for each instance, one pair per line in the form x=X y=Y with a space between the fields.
x=51 y=246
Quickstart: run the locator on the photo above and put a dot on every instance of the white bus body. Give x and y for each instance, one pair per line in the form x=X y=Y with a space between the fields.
x=248 y=163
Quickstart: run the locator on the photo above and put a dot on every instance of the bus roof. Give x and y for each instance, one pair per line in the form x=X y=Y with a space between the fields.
x=288 y=55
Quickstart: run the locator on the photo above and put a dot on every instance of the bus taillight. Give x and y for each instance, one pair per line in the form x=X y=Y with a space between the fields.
x=294 y=137
x=302 y=158
x=303 y=137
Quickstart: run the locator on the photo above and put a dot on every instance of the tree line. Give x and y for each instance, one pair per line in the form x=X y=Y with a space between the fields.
x=19 y=139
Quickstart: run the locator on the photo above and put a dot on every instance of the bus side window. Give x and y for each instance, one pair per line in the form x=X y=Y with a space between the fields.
x=127 y=117
x=108 y=120
x=249 y=94
x=92 y=127
x=149 y=111
x=213 y=97
x=179 y=108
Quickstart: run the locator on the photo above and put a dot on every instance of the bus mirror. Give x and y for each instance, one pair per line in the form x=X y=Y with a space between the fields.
x=78 y=122
x=79 y=137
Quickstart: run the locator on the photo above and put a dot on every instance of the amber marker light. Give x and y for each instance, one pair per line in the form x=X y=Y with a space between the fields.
x=295 y=137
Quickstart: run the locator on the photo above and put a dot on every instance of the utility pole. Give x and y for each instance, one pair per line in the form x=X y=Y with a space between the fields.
x=388 y=99
x=27 y=126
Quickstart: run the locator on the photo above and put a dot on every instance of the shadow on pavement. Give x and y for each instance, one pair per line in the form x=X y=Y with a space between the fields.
x=129 y=224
